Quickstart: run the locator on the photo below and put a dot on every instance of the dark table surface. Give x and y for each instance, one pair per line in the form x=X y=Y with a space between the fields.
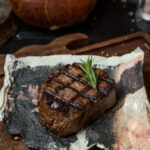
x=110 y=19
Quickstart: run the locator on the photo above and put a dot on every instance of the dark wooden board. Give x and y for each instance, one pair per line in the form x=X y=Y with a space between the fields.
x=8 y=141
x=78 y=44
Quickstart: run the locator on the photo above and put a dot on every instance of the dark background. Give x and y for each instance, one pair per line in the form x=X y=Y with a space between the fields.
x=110 y=19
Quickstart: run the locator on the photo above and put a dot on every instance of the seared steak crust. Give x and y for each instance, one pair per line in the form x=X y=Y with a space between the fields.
x=68 y=102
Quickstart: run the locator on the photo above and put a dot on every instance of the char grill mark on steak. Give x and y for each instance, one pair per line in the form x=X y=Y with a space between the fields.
x=62 y=101
x=67 y=93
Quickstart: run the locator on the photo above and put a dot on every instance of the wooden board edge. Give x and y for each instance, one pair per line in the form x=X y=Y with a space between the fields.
x=112 y=41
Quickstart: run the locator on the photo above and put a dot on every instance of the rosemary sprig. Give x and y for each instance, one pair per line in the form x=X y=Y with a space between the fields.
x=89 y=72
x=10 y=148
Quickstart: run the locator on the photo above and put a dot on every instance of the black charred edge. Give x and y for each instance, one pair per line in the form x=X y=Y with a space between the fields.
x=131 y=80
x=81 y=93
x=73 y=77
x=102 y=90
x=108 y=80
x=100 y=77
x=61 y=100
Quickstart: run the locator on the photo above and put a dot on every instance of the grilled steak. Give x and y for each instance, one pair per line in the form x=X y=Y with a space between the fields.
x=68 y=103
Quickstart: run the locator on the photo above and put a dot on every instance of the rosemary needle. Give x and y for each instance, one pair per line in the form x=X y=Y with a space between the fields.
x=89 y=72
x=10 y=148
